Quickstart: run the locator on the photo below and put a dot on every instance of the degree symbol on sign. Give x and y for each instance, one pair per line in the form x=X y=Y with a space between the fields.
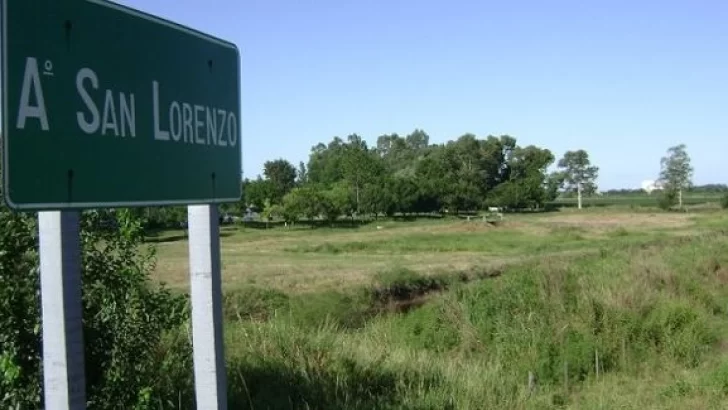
x=48 y=68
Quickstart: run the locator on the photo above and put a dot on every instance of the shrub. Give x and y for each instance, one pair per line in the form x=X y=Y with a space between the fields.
x=125 y=319
x=19 y=313
x=724 y=201
x=667 y=200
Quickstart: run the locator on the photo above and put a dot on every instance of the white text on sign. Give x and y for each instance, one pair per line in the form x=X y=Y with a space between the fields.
x=109 y=112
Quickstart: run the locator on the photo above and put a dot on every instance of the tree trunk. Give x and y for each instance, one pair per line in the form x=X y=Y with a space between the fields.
x=357 y=197
x=679 y=198
x=356 y=190
x=578 y=194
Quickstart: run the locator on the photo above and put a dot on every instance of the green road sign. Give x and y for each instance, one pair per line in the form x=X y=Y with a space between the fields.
x=105 y=106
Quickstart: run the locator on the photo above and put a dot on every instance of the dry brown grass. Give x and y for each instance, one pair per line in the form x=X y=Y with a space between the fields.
x=623 y=219
x=265 y=257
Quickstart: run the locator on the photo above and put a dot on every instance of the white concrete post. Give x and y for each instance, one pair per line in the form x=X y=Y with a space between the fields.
x=206 y=299
x=64 y=382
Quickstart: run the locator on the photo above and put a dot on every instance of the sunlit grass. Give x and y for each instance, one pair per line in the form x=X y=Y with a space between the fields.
x=653 y=317
x=304 y=259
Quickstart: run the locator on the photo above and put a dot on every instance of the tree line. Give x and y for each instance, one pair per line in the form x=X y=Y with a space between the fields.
x=705 y=189
x=409 y=175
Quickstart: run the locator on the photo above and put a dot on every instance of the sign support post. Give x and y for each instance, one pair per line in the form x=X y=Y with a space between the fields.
x=206 y=300
x=60 y=281
x=86 y=126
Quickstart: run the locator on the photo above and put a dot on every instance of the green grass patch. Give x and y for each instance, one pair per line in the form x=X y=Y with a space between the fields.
x=253 y=303
x=637 y=200
x=650 y=316
x=495 y=242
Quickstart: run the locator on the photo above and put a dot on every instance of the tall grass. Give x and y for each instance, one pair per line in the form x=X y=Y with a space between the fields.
x=643 y=326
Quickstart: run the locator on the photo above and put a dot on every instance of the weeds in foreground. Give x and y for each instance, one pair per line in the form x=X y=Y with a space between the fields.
x=652 y=316
x=642 y=325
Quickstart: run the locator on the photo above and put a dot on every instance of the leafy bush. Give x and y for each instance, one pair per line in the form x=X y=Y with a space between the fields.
x=667 y=199
x=19 y=313
x=125 y=320
x=164 y=217
x=724 y=201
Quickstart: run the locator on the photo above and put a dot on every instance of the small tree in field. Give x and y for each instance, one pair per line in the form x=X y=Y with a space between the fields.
x=578 y=173
x=676 y=173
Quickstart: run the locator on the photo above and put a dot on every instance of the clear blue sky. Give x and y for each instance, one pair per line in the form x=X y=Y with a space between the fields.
x=622 y=79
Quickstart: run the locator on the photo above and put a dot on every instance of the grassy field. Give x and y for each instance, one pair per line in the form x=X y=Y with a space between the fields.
x=604 y=308
x=303 y=259
x=635 y=200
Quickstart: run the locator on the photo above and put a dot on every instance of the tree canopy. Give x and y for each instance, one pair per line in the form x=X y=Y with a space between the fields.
x=578 y=173
x=406 y=174
x=676 y=172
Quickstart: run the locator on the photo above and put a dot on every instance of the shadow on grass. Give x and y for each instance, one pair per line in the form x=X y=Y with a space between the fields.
x=414 y=217
x=157 y=238
x=343 y=223
x=332 y=383
x=340 y=224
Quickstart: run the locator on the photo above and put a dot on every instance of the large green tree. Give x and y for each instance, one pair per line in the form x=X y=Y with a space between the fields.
x=302 y=201
x=325 y=162
x=432 y=175
x=408 y=174
x=527 y=179
x=282 y=177
x=554 y=183
x=376 y=198
x=579 y=174
x=336 y=201
x=360 y=166
x=257 y=191
x=676 y=172
x=400 y=154
x=301 y=174
x=351 y=161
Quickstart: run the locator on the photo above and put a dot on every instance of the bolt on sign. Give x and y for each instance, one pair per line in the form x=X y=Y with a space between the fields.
x=105 y=106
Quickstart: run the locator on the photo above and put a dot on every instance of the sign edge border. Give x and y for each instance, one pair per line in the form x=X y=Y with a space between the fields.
x=90 y=205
